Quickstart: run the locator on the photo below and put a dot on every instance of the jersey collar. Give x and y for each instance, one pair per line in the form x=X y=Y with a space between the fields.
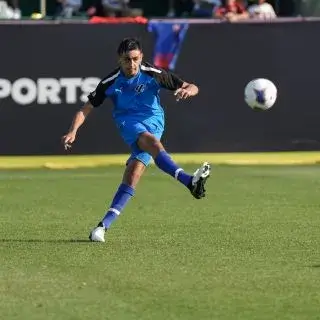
x=129 y=80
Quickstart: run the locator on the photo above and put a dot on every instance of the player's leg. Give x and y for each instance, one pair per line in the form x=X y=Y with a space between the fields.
x=125 y=192
x=148 y=142
x=136 y=164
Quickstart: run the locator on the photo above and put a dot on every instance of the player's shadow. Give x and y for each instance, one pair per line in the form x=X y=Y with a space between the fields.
x=44 y=241
x=315 y=266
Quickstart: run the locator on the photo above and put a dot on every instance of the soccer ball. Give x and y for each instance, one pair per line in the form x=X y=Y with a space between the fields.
x=260 y=94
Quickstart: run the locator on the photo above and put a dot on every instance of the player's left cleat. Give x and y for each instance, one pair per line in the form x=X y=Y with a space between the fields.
x=97 y=234
x=198 y=182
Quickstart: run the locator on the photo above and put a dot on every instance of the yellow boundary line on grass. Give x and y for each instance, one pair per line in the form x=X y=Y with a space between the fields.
x=87 y=161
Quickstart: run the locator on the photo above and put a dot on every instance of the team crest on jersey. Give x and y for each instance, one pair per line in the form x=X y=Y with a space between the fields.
x=140 y=88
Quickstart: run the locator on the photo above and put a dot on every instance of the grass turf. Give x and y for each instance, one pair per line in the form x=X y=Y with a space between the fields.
x=250 y=250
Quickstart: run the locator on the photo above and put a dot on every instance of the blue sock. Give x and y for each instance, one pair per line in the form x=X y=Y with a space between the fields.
x=120 y=200
x=166 y=164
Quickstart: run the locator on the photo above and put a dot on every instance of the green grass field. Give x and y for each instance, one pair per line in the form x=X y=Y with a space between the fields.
x=250 y=250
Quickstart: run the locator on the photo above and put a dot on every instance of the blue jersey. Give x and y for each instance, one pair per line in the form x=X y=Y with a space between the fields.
x=136 y=97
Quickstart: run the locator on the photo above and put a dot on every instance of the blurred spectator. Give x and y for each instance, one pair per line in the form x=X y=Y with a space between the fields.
x=67 y=8
x=172 y=9
x=205 y=8
x=261 y=10
x=193 y=8
x=11 y=9
x=113 y=8
x=232 y=10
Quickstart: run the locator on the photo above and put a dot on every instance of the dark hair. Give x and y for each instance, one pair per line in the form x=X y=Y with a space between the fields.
x=129 y=44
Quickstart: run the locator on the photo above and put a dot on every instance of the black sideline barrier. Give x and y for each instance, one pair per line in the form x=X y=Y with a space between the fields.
x=47 y=70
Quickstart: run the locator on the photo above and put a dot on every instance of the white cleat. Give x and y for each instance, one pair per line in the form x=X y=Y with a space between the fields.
x=97 y=234
x=199 y=180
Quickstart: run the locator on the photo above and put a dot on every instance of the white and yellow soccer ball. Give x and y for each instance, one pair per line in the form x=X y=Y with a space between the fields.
x=260 y=94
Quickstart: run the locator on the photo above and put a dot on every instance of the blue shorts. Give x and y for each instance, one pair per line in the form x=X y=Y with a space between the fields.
x=131 y=129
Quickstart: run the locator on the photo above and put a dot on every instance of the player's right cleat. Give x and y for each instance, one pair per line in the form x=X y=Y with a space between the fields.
x=198 y=182
x=97 y=234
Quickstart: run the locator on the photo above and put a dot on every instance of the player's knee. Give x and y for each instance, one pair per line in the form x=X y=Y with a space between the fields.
x=149 y=143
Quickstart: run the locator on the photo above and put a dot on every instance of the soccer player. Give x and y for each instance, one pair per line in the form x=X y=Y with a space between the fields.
x=134 y=90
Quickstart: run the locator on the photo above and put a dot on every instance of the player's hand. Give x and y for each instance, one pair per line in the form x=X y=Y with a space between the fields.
x=230 y=16
x=68 y=139
x=182 y=94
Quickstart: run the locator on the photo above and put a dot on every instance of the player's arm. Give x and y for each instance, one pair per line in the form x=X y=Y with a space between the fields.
x=77 y=121
x=95 y=99
x=182 y=89
x=187 y=90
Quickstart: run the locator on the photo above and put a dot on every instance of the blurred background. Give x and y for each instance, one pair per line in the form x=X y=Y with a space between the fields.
x=57 y=51
x=22 y=9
